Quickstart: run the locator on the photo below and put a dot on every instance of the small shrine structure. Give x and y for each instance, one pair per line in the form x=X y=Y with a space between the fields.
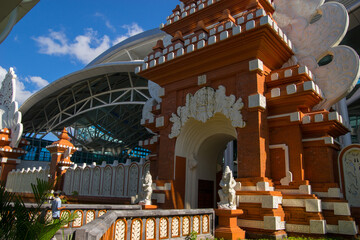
x=239 y=70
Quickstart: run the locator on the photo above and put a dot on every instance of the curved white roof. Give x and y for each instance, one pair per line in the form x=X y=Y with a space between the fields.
x=105 y=95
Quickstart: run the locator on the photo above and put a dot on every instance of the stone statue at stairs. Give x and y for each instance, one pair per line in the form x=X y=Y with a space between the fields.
x=227 y=191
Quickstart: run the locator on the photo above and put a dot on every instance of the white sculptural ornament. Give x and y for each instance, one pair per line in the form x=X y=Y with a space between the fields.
x=227 y=191
x=203 y=105
x=9 y=114
x=316 y=29
x=145 y=194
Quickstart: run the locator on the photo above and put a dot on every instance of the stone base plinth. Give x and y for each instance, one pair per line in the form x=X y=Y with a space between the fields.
x=149 y=207
x=228 y=228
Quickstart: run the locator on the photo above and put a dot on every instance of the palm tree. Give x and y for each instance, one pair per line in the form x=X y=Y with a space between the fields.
x=20 y=222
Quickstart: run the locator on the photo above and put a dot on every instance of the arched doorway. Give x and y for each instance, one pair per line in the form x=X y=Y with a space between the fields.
x=203 y=146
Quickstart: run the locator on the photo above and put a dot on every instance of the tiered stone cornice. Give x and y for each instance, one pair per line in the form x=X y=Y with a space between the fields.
x=211 y=35
x=184 y=19
x=5 y=139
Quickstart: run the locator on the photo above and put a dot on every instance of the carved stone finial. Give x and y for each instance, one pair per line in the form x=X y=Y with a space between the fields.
x=227 y=191
x=226 y=16
x=178 y=37
x=64 y=135
x=200 y=27
x=10 y=117
x=159 y=45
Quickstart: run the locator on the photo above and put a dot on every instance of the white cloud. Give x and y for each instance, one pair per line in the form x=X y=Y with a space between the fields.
x=84 y=47
x=22 y=93
x=3 y=72
x=107 y=22
x=132 y=30
x=39 y=81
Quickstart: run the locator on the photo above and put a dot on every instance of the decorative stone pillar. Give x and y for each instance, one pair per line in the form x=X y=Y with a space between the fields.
x=228 y=228
x=61 y=152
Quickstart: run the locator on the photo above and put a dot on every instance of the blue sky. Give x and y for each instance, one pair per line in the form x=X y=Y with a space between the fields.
x=59 y=37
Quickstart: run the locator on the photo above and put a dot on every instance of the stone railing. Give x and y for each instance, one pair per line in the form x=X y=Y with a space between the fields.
x=150 y=224
x=20 y=180
x=86 y=213
x=115 y=180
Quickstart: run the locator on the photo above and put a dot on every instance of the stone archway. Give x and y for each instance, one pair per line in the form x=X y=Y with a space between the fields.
x=203 y=145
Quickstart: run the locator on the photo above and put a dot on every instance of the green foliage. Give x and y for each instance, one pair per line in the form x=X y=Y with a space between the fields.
x=19 y=222
x=74 y=194
x=192 y=236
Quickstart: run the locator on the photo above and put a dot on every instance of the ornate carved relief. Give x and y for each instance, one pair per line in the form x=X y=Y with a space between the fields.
x=186 y=226
x=120 y=230
x=10 y=117
x=175 y=227
x=65 y=214
x=79 y=219
x=316 y=39
x=133 y=180
x=86 y=181
x=119 y=181
x=136 y=226
x=90 y=216
x=96 y=181
x=196 y=224
x=150 y=228
x=204 y=105
x=101 y=212
x=77 y=176
x=163 y=228
x=351 y=167
x=107 y=181
x=205 y=224
x=67 y=181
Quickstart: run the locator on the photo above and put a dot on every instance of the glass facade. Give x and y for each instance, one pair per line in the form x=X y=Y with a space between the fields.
x=36 y=151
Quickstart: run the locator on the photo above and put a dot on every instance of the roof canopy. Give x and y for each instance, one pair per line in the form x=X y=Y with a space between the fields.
x=101 y=103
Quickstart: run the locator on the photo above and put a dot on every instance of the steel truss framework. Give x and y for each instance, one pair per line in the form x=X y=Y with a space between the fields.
x=103 y=111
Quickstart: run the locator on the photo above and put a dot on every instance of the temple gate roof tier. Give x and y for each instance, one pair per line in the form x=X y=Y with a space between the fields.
x=262 y=42
x=185 y=20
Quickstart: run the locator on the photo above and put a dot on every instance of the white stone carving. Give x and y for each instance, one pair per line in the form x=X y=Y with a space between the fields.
x=101 y=212
x=65 y=214
x=120 y=230
x=227 y=191
x=186 y=226
x=163 y=228
x=90 y=216
x=150 y=228
x=316 y=39
x=204 y=105
x=196 y=224
x=78 y=220
x=145 y=194
x=136 y=229
x=351 y=168
x=175 y=224
x=10 y=117
x=205 y=224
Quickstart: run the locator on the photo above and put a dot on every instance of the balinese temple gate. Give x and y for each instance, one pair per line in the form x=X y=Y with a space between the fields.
x=250 y=71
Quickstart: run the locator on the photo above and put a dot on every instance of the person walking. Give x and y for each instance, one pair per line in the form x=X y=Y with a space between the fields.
x=56 y=206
